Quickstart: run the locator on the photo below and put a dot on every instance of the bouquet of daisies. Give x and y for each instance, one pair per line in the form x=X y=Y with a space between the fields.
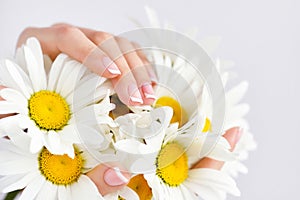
x=65 y=120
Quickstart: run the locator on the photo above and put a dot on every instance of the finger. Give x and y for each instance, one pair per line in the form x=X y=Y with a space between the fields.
x=138 y=69
x=1 y=99
x=125 y=85
x=72 y=41
x=232 y=135
x=148 y=66
x=108 y=179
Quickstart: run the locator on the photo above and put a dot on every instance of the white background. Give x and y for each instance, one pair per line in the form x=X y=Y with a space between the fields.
x=261 y=36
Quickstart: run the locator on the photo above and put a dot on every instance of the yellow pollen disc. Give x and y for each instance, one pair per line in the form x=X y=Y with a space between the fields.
x=49 y=110
x=179 y=114
x=141 y=187
x=172 y=164
x=60 y=169
x=207 y=126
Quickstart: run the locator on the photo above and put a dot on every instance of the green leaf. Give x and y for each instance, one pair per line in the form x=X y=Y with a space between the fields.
x=12 y=195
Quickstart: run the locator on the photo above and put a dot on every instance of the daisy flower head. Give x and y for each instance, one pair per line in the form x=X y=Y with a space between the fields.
x=221 y=108
x=58 y=106
x=44 y=175
x=164 y=169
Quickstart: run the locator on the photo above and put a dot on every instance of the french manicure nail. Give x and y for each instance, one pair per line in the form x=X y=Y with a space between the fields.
x=135 y=95
x=114 y=177
x=153 y=76
x=111 y=66
x=148 y=91
x=238 y=134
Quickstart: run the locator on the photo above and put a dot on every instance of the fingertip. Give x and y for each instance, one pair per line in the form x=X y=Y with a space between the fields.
x=233 y=136
x=114 y=177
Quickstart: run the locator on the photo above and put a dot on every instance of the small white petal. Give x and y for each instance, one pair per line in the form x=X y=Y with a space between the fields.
x=18 y=78
x=85 y=189
x=128 y=193
x=21 y=183
x=9 y=107
x=55 y=70
x=48 y=191
x=36 y=72
x=14 y=96
x=33 y=188
x=70 y=74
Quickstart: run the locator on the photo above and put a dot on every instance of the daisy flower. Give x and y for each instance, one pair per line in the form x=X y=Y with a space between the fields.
x=44 y=175
x=57 y=108
x=167 y=158
x=234 y=110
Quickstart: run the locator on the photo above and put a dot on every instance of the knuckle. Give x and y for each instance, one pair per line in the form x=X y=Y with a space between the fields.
x=26 y=32
x=99 y=37
x=65 y=30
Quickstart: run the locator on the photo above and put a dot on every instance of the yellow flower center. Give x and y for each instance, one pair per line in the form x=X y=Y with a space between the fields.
x=172 y=164
x=49 y=110
x=60 y=169
x=179 y=114
x=207 y=126
x=141 y=187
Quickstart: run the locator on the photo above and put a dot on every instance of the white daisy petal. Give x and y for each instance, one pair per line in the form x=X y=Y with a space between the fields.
x=20 y=59
x=18 y=78
x=32 y=188
x=6 y=181
x=85 y=189
x=9 y=107
x=236 y=94
x=37 y=139
x=90 y=136
x=55 y=71
x=205 y=192
x=45 y=193
x=63 y=193
x=69 y=77
x=215 y=179
x=128 y=193
x=70 y=134
x=152 y=17
x=21 y=183
x=35 y=47
x=14 y=167
x=14 y=96
x=37 y=73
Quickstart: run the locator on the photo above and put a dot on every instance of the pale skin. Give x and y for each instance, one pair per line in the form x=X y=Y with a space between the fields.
x=131 y=75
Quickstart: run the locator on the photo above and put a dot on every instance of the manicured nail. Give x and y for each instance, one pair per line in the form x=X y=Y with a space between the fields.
x=153 y=76
x=111 y=66
x=148 y=91
x=238 y=134
x=135 y=95
x=114 y=177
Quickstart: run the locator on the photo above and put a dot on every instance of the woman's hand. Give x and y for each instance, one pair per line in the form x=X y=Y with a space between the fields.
x=131 y=75
x=106 y=55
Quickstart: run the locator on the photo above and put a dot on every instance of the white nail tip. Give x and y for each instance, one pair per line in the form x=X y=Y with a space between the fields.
x=114 y=71
x=135 y=99
x=150 y=96
x=120 y=175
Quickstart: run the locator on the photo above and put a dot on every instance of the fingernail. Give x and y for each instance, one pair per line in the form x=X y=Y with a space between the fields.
x=148 y=91
x=111 y=66
x=135 y=95
x=238 y=134
x=114 y=177
x=153 y=76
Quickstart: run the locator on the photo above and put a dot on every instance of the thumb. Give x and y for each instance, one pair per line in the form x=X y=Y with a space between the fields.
x=108 y=179
x=232 y=136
